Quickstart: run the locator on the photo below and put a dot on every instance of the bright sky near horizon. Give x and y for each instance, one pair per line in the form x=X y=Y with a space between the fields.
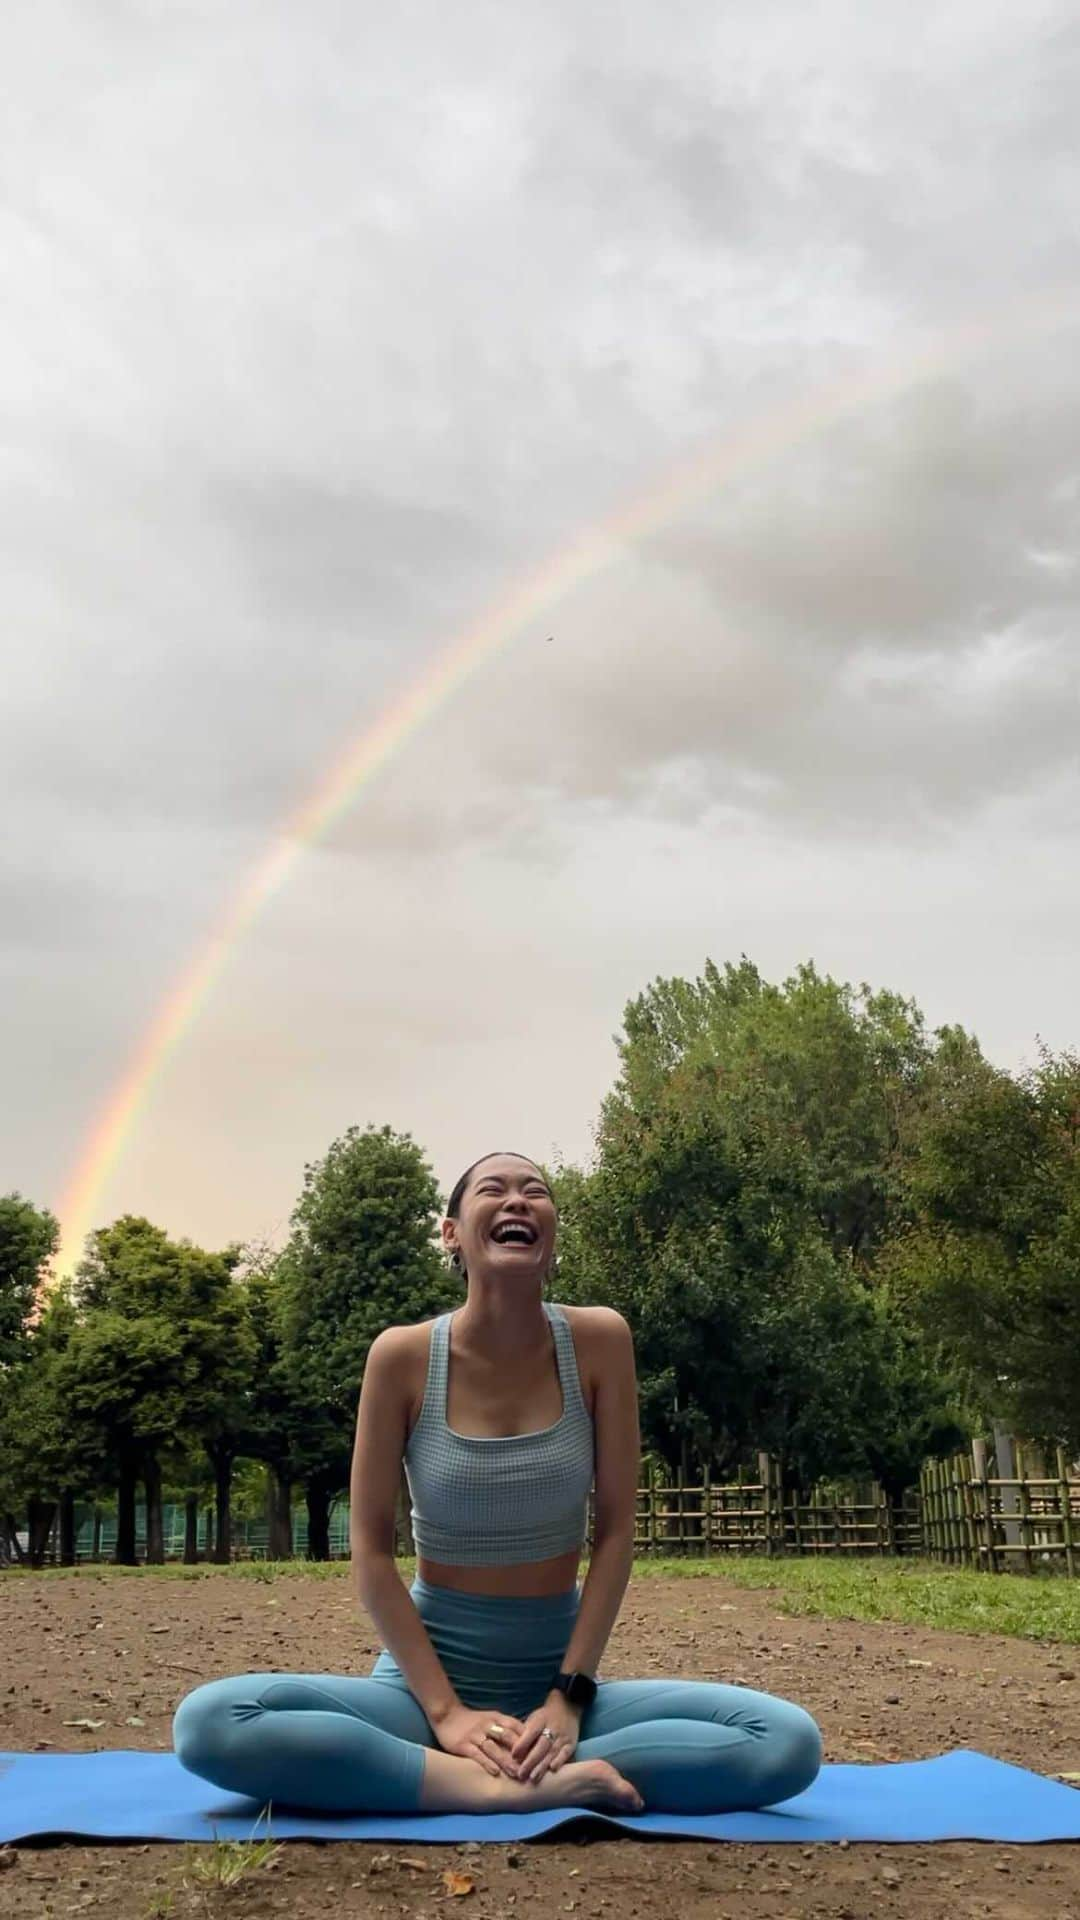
x=321 y=329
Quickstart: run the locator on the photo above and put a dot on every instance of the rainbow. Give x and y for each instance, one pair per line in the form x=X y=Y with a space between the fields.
x=364 y=756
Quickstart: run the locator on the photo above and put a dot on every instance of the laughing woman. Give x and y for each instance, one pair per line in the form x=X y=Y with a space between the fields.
x=484 y=1698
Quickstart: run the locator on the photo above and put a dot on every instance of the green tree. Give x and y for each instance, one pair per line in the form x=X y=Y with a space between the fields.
x=698 y=1227
x=361 y=1257
x=47 y=1455
x=159 y=1359
x=751 y=1164
x=841 y=1072
x=993 y=1263
x=277 y=1421
x=29 y=1237
x=28 y=1240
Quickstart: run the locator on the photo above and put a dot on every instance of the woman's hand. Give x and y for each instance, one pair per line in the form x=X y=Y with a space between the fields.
x=548 y=1738
x=480 y=1733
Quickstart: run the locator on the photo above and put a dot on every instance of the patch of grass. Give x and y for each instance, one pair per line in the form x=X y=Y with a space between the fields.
x=915 y=1592
x=227 y=1862
x=264 y=1571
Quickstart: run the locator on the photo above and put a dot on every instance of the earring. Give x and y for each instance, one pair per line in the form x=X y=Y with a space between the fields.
x=454 y=1261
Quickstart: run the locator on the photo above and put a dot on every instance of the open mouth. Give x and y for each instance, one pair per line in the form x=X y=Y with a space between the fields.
x=515 y=1233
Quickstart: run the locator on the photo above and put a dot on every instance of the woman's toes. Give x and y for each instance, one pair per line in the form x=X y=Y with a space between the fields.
x=612 y=1789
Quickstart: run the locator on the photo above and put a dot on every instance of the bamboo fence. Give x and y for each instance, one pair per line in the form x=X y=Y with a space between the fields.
x=960 y=1514
x=753 y=1514
x=1029 y=1521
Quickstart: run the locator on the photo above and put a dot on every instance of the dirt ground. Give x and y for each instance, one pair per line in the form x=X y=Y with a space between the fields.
x=123 y=1651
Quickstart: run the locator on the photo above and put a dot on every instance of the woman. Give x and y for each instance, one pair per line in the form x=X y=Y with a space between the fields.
x=483 y=1699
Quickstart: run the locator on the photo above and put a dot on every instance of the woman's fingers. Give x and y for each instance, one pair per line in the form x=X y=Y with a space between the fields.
x=495 y=1751
x=525 y=1745
x=490 y=1766
x=552 y=1758
x=532 y=1756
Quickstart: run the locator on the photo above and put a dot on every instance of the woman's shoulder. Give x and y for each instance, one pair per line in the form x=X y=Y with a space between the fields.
x=597 y=1333
x=602 y=1323
x=404 y=1351
x=401 y=1350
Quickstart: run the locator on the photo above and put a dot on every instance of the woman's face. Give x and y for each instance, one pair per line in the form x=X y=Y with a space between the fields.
x=507 y=1221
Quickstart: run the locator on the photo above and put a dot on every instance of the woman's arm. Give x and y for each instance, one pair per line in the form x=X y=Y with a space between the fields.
x=618 y=1452
x=381 y=1433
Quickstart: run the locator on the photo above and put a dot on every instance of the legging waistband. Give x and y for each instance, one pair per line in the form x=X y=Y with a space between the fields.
x=515 y=1608
x=497 y=1649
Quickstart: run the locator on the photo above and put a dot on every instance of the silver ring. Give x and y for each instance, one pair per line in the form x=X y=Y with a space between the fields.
x=547 y=1733
x=495 y=1732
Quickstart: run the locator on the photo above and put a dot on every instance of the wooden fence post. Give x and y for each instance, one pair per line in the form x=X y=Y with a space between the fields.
x=652 y=1505
x=940 y=1526
x=956 y=1525
x=764 y=1466
x=971 y=1538
x=929 y=1528
x=1065 y=1497
x=1024 y=1503
x=1005 y=1459
x=979 y=1460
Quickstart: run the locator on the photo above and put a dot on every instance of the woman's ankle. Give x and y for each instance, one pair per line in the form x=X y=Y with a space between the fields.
x=452 y=1784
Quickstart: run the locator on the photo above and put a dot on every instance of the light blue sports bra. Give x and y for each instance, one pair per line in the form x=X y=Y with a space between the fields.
x=483 y=1500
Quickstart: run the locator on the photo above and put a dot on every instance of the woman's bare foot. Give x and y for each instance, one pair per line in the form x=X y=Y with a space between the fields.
x=586 y=1783
x=454 y=1785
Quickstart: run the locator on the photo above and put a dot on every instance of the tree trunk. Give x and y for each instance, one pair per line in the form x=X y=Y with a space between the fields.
x=67 y=1529
x=155 y=1530
x=12 y=1535
x=223 y=1468
x=124 y=1554
x=279 y=1544
x=40 y=1515
x=191 y=1529
x=209 y=1533
x=318 y=1507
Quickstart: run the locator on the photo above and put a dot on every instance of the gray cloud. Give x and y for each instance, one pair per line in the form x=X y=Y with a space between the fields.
x=319 y=335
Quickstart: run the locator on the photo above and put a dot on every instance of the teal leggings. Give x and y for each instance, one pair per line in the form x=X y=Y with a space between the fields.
x=356 y=1745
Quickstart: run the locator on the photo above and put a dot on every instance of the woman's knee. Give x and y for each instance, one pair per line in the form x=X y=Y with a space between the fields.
x=203 y=1720
x=798 y=1750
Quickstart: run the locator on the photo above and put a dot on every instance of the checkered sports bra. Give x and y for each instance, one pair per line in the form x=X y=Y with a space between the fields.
x=492 y=1500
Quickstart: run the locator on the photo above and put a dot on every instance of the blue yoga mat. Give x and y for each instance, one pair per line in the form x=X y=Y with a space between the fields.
x=148 y=1796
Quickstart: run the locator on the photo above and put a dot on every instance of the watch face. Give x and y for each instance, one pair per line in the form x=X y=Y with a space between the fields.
x=580 y=1690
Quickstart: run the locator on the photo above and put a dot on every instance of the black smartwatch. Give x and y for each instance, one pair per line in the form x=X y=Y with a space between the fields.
x=579 y=1689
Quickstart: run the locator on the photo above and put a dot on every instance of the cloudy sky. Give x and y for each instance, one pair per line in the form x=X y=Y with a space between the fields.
x=321 y=329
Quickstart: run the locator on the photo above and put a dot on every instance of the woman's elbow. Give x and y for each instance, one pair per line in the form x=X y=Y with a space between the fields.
x=614 y=1537
x=371 y=1558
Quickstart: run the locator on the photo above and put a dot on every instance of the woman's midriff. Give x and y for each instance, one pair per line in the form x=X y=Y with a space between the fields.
x=529 y=1580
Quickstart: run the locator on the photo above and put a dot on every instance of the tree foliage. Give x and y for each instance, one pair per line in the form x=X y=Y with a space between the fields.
x=160 y=1358
x=752 y=1161
x=838 y=1238
x=361 y=1257
x=993 y=1264
x=28 y=1240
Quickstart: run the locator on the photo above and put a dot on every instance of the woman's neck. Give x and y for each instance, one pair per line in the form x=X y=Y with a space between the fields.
x=498 y=1320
